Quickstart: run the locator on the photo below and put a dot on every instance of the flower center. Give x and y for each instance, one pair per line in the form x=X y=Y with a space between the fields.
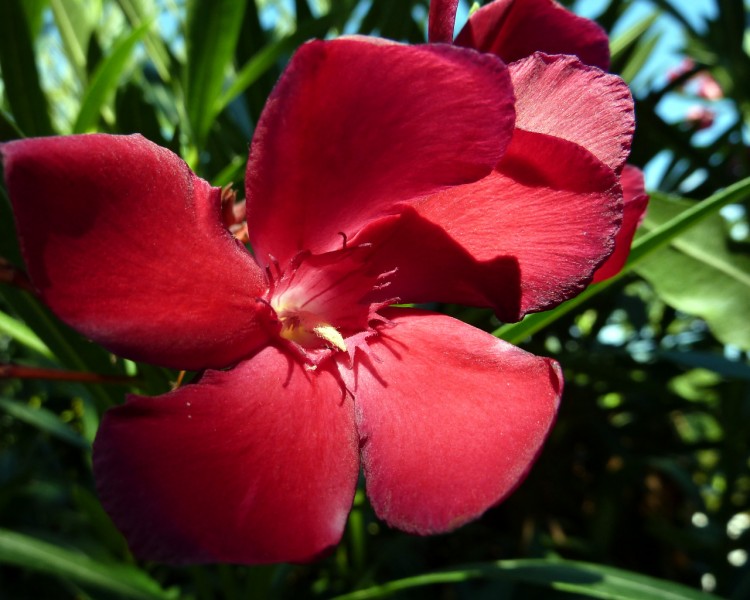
x=308 y=329
x=321 y=301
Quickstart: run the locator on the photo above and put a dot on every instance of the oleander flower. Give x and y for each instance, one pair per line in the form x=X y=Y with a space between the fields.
x=533 y=37
x=378 y=174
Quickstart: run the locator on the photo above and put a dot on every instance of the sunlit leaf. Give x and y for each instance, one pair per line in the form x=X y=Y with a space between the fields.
x=213 y=29
x=76 y=21
x=639 y=56
x=105 y=80
x=139 y=12
x=22 y=334
x=699 y=274
x=626 y=40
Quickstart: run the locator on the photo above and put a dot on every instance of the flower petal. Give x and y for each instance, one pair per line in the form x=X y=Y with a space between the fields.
x=634 y=209
x=514 y=29
x=253 y=465
x=450 y=419
x=560 y=96
x=523 y=239
x=127 y=246
x=442 y=20
x=355 y=128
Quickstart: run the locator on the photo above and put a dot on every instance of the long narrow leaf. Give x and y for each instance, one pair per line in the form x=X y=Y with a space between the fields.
x=640 y=55
x=20 y=74
x=586 y=579
x=8 y=129
x=75 y=22
x=31 y=553
x=137 y=13
x=628 y=38
x=43 y=420
x=213 y=29
x=23 y=334
x=34 y=10
x=643 y=247
x=105 y=80
x=265 y=58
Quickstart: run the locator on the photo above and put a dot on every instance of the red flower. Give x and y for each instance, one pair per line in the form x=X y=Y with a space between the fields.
x=522 y=33
x=378 y=172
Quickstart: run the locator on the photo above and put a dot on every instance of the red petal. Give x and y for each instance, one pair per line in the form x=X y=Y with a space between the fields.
x=635 y=203
x=353 y=129
x=523 y=239
x=442 y=20
x=254 y=465
x=514 y=29
x=560 y=96
x=450 y=419
x=127 y=246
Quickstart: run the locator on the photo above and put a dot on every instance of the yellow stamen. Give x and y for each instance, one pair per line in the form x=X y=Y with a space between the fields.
x=331 y=335
x=307 y=329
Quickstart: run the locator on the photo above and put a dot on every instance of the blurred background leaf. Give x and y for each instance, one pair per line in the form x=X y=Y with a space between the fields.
x=700 y=275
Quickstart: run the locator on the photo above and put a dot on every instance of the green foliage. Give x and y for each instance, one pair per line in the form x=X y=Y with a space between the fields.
x=20 y=76
x=105 y=79
x=700 y=274
x=125 y=580
x=587 y=580
x=643 y=490
x=212 y=32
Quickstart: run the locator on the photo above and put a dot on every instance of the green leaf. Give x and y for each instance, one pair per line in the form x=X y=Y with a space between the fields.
x=22 y=334
x=267 y=57
x=627 y=40
x=19 y=70
x=37 y=555
x=639 y=56
x=8 y=128
x=232 y=172
x=76 y=21
x=699 y=274
x=213 y=30
x=44 y=420
x=137 y=13
x=105 y=79
x=641 y=249
x=34 y=10
x=586 y=579
x=134 y=114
